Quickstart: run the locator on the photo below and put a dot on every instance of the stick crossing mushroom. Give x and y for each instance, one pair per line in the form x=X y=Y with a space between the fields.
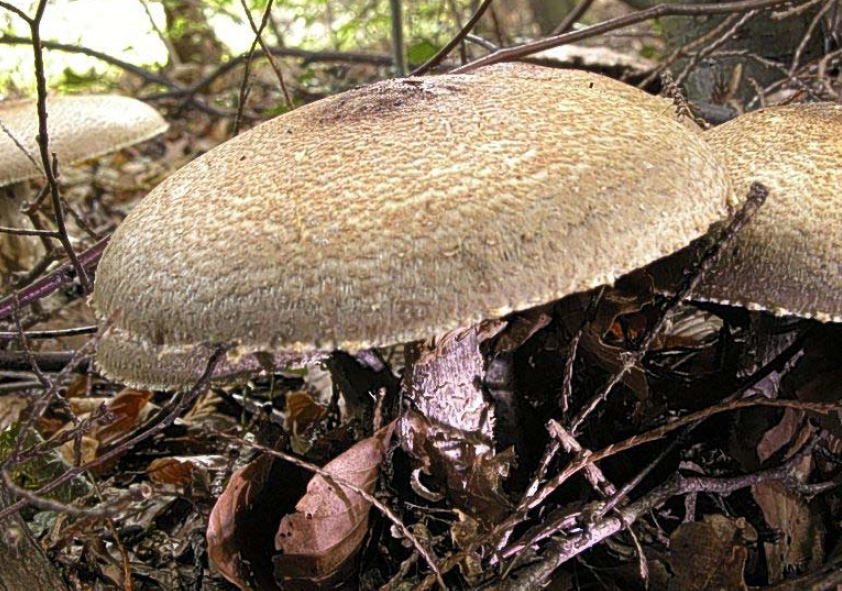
x=397 y=212
x=80 y=128
x=788 y=259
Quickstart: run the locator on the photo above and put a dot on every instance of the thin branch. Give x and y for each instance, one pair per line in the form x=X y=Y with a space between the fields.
x=49 y=334
x=44 y=286
x=614 y=449
x=569 y=547
x=399 y=59
x=572 y=17
x=756 y=197
x=47 y=162
x=445 y=51
x=660 y=11
x=258 y=33
x=16 y=11
x=164 y=38
x=175 y=411
x=26 y=232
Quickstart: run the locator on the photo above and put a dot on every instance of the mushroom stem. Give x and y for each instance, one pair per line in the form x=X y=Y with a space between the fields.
x=17 y=252
x=451 y=429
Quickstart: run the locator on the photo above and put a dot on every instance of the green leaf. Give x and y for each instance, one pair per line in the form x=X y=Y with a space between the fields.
x=421 y=52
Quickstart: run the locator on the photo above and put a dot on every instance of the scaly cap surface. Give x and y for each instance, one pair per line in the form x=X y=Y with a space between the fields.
x=79 y=127
x=788 y=259
x=399 y=211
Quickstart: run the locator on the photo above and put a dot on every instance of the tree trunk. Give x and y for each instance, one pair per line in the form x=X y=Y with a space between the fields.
x=190 y=34
x=23 y=565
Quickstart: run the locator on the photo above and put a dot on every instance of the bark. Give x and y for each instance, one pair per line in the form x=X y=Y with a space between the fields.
x=190 y=34
x=23 y=565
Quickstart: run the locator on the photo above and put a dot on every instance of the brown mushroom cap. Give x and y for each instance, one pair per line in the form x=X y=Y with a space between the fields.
x=399 y=211
x=613 y=89
x=80 y=127
x=788 y=259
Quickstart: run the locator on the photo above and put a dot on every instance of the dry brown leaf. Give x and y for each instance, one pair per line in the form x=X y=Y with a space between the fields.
x=709 y=555
x=181 y=471
x=88 y=449
x=522 y=327
x=11 y=406
x=326 y=531
x=800 y=543
x=303 y=413
x=781 y=434
x=128 y=408
x=224 y=538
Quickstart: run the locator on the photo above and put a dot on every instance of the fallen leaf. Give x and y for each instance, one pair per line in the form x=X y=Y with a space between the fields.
x=129 y=408
x=781 y=434
x=303 y=413
x=11 y=406
x=800 y=543
x=181 y=471
x=320 y=540
x=227 y=541
x=709 y=555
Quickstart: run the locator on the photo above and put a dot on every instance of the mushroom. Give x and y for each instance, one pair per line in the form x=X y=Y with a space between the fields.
x=399 y=211
x=80 y=128
x=405 y=210
x=787 y=259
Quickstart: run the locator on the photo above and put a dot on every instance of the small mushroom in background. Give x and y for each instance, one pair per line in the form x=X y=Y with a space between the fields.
x=80 y=128
x=788 y=259
x=404 y=211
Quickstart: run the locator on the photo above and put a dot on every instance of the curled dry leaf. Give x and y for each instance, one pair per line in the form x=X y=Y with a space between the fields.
x=318 y=542
x=129 y=408
x=303 y=413
x=227 y=545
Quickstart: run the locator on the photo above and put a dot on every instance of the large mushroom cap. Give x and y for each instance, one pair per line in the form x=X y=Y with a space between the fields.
x=399 y=211
x=80 y=127
x=788 y=259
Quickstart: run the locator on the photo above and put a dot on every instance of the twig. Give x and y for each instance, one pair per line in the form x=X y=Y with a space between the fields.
x=171 y=50
x=558 y=553
x=799 y=51
x=614 y=449
x=714 y=45
x=451 y=45
x=44 y=286
x=258 y=34
x=44 y=146
x=756 y=197
x=51 y=505
x=662 y=10
x=175 y=411
x=572 y=17
x=396 y=11
x=44 y=400
x=49 y=334
x=25 y=232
